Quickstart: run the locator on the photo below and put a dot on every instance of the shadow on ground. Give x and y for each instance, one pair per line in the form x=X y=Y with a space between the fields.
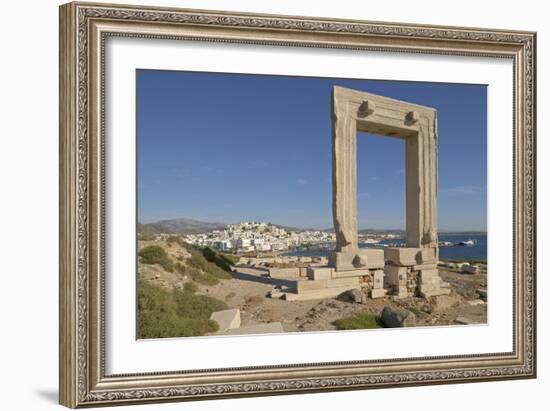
x=262 y=278
x=49 y=395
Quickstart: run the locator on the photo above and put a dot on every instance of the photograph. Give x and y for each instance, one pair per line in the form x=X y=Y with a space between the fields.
x=257 y=203
x=278 y=204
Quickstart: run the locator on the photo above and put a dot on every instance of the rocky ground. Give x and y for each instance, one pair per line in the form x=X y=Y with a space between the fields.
x=249 y=288
x=249 y=295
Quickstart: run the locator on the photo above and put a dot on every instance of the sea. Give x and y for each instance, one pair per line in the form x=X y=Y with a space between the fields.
x=478 y=251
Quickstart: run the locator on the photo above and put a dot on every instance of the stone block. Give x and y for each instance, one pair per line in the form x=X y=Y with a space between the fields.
x=342 y=261
x=305 y=285
x=227 y=319
x=426 y=256
x=293 y=272
x=319 y=273
x=395 y=275
x=400 y=292
x=431 y=284
x=369 y=258
x=378 y=293
x=401 y=256
x=350 y=273
x=435 y=292
x=378 y=279
x=426 y=275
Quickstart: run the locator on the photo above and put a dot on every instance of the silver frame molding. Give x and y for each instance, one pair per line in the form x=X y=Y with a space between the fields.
x=83 y=30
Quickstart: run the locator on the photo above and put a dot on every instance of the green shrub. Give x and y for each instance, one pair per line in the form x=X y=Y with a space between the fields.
x=196 y=306
x=198 y=266
x=154 y=254
x=204 y=278
x=153 y=326
x=359 y=321
x=197 y=275
x=174 y=313
x=199 y=262
x=231 y=258
x=221 y=261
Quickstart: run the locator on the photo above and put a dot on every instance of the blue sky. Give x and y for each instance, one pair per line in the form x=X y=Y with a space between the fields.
x=230 y=147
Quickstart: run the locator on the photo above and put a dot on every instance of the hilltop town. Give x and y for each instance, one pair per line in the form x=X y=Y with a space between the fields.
x=253 y=236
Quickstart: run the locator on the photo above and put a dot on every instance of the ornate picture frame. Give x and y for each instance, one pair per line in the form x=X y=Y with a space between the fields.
x=84 y=28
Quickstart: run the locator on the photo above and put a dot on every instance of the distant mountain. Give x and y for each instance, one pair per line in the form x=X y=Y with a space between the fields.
x=179 y=226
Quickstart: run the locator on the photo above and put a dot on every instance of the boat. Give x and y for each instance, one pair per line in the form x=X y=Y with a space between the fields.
x=467 y=243
x=370 y=241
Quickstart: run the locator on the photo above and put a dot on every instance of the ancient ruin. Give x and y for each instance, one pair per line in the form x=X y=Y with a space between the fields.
x=398 y=271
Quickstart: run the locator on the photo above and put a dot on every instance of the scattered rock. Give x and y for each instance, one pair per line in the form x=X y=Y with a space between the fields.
x=352 y=296
x=482 y=293
x=475 y=302
x=398 y=317
x=427 y=308
x=470 y=269
x=275 y=294
x=227 y=319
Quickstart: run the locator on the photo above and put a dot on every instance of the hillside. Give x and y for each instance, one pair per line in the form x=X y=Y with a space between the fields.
x=171 y=274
